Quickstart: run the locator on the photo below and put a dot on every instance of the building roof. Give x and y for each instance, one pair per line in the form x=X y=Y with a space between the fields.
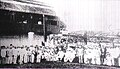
x=26 y=6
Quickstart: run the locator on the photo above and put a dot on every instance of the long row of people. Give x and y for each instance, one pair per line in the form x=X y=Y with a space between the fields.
x=33 y=54
x=36 y=54
x=24 y=54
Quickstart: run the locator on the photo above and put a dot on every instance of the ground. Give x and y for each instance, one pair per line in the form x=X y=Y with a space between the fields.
x=58 y=65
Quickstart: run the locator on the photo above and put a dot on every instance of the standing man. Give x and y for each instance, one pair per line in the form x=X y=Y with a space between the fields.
x=3 y=55
x=10 y=55
x=7 y=55
x=35 y=54
x=39 y=56
x=25 y=55
x=14 y=55
x=18 y=57
x=22 y=52
x=29 y=58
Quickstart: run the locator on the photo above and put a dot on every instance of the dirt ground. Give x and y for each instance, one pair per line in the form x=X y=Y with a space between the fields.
x=56 y=65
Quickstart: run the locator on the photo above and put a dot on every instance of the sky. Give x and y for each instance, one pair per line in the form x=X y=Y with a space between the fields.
x=89 y=15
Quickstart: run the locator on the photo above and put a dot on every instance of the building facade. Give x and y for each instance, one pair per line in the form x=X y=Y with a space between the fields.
x=18 y=18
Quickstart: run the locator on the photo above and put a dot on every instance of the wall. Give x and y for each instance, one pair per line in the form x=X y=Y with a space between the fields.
x=20 y=40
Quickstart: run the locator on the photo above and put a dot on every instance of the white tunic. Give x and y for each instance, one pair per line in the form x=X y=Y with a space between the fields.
x=69 y=55
x=39 y=56
x=10 y=55
x=60 y=55
x=3 y=52
x=25 y=55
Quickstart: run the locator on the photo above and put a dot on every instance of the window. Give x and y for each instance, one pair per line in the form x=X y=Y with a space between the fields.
x=39 y=22
x=53 y=23
x=25 y=22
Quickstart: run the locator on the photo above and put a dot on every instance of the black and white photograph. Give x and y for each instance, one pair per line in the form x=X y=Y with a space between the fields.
x=59 y=34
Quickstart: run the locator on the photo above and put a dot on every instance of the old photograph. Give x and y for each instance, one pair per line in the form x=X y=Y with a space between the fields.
x=60 y=34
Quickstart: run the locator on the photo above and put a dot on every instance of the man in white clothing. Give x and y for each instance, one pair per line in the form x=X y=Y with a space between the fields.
x=10 y=55
x=14 y=55
x=60 y=55
x=39 y=56
x=29 y=53
x=3 y=54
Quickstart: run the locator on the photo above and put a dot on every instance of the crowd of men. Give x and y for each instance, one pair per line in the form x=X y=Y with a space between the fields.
x=33 y=54
x=19 y=55
x=93 y=54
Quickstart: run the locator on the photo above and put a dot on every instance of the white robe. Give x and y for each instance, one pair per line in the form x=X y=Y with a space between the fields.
x=10 y=56
x=69 y=55
x=3 y=53
x=39 y=56
x=15 y=53
x=25 y=56
x=60 y=55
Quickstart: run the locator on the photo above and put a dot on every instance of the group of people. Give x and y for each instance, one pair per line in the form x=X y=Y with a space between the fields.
x=105 y=56
x=20 y=55
x=36 y=54
x=33 y=54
